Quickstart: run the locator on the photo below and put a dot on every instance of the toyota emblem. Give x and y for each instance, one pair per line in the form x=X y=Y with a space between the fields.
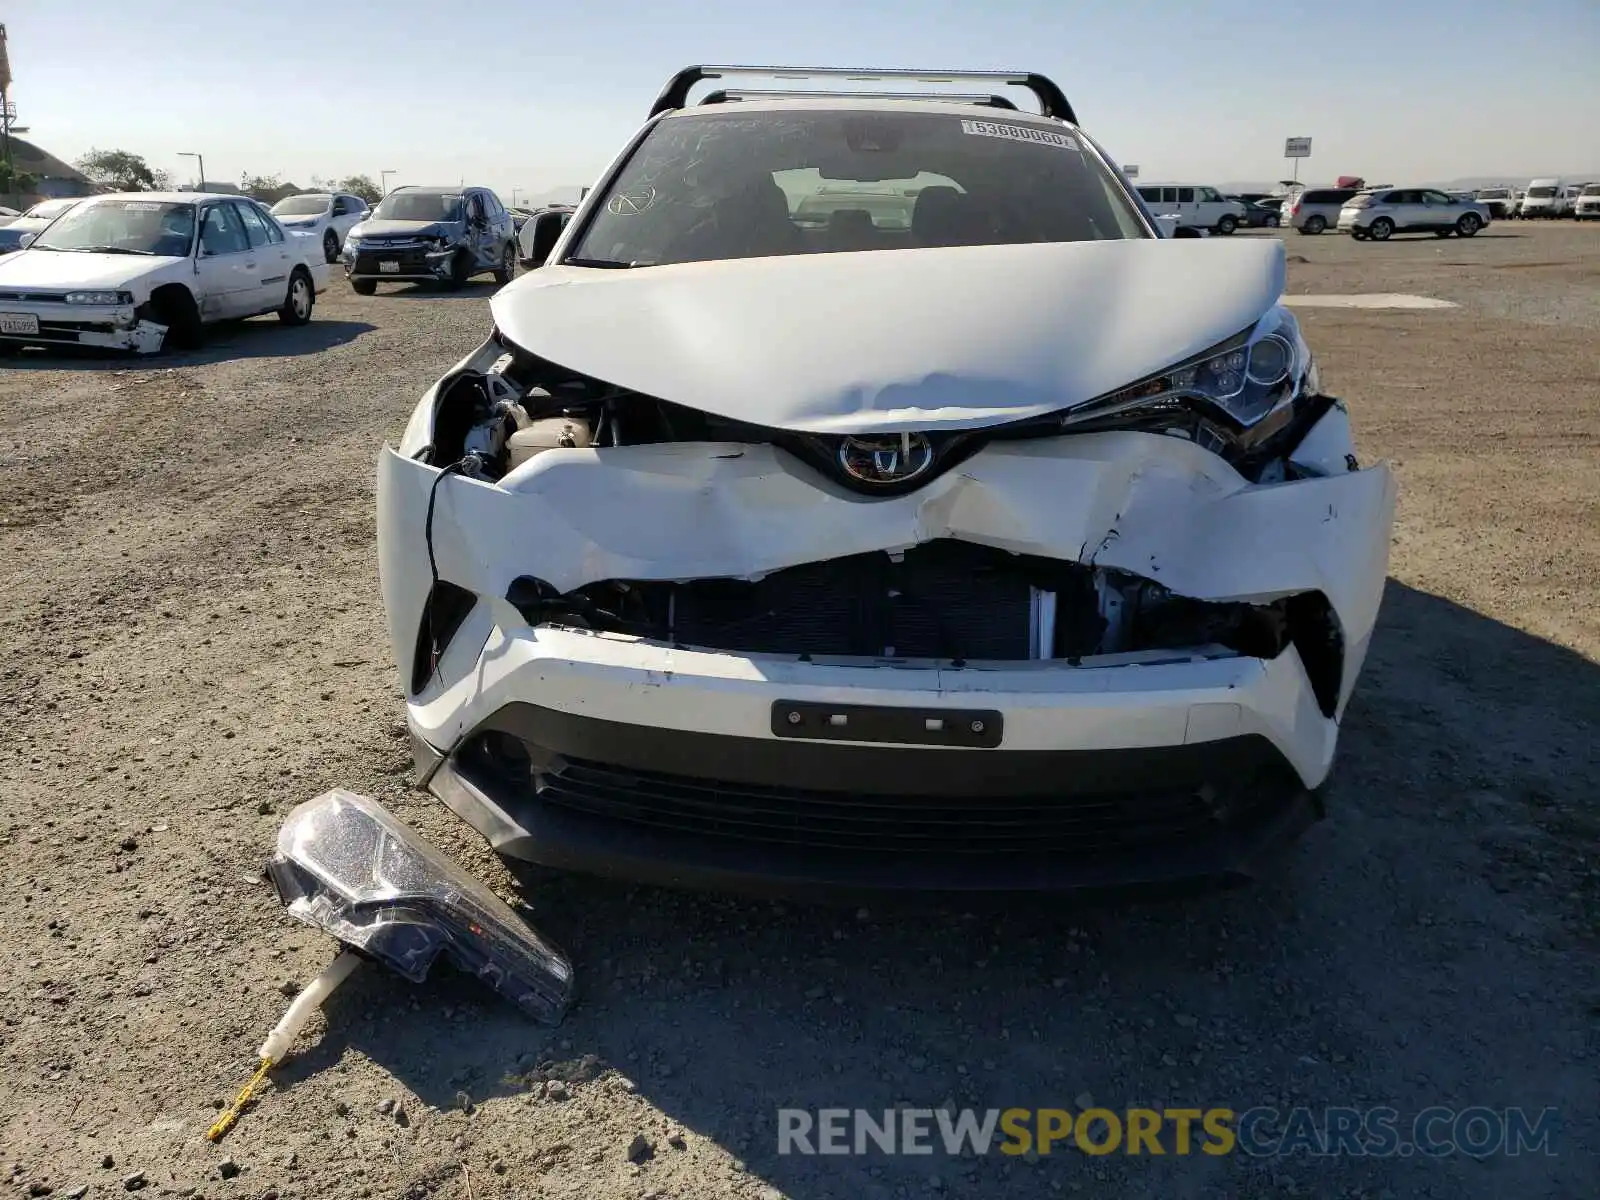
x=887 y=458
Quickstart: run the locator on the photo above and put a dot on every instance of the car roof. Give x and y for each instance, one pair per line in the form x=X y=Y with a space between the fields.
x=826 y=102
x=171 y=197
x=433 y=190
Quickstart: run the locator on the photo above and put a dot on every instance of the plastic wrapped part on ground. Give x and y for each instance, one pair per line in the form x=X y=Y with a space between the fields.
x=348 y=867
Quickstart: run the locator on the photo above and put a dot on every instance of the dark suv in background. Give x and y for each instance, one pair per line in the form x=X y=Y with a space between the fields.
x=440 y=235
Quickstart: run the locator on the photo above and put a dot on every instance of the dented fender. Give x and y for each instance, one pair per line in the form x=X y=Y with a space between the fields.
x=1152 y=505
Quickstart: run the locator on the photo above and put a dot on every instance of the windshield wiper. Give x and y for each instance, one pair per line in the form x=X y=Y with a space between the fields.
x=115 y=250
x=604 y=264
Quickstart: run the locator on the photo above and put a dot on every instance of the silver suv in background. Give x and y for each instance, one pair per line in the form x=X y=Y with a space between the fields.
x=1313 y=210
x=1383 y=212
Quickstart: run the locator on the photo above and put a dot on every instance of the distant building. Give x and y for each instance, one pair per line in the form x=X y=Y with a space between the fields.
x=56 y=178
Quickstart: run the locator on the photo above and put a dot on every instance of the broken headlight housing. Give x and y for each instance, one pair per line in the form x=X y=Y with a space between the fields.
x=1244 y=378
x=350 y=868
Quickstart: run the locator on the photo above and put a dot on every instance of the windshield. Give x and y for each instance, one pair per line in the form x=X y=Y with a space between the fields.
x=1541 y=193
x=1494 y=194
x=302 y=206
x=48 y=210
x=124 y=227
x=802 y=181
x=420 y=206
x=1592 y=189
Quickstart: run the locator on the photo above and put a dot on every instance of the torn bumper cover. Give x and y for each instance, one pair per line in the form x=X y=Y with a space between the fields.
x=96 y=326
x=1047 y=766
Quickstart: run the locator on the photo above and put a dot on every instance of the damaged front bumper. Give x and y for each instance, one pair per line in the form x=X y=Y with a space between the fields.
x=645 y=758
x=400 y=264
x=99 y=326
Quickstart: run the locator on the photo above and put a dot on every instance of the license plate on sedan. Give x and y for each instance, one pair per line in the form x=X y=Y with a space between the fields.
x=389 y=266
x=24 y=323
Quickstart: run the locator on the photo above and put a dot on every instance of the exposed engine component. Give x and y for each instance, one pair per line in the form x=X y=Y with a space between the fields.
x=523 y=405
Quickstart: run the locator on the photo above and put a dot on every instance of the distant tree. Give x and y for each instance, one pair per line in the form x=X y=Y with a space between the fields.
x=259 y=186
x=120 y=169
x=361 y=185
x=162 y=181
x=268 y=189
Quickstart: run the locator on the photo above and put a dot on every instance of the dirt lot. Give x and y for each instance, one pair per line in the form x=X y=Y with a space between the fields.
x=193 y=643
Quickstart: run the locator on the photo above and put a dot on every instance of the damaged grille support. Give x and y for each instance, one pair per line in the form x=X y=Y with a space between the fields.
x=944 y=600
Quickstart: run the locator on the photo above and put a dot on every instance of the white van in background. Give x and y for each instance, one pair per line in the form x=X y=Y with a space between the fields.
x=1546 y=198
x=1587 y=206
x=1196 y=206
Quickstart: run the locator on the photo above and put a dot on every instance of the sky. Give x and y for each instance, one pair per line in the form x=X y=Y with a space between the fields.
x=531 y=97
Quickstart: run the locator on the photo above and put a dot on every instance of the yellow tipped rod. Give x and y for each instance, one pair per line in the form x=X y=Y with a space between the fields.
x=284 y=1032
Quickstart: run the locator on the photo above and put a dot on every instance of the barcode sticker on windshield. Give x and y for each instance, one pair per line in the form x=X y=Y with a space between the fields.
x=1019 y=133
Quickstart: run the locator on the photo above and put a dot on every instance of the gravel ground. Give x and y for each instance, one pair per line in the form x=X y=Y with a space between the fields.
x=193 y=643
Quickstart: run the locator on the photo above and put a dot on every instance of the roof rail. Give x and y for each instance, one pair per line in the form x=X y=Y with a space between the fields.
x=1052 y=101
x=725 y=96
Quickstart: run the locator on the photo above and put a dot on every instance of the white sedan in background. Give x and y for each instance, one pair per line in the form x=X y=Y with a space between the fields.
x=145 y=271
x=328 y=216
x=18 y=231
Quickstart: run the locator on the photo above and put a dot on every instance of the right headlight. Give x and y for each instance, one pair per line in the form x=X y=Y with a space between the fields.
x=1247 y=376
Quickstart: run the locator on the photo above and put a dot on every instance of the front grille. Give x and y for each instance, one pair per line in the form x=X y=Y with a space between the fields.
x=945 y=599
x=412 y=261
x=73 y=328
x=14 y=297
x=1067 y=825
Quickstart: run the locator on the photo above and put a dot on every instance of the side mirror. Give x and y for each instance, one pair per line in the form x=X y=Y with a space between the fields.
x=22 y=242
x=546 y=233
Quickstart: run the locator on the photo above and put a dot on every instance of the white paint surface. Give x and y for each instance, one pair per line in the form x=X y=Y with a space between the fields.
x=1369 y=300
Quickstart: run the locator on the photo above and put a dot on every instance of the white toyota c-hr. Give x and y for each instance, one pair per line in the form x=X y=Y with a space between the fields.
x=865 y=495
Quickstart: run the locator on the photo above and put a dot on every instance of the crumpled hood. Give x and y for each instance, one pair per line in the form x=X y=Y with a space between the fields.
x=61 y=270
x=368 y=229
x=957 y=338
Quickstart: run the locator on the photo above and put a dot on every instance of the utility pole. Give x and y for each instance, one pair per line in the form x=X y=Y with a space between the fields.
x=201 y=162
x=8 y=110
x=383 y=180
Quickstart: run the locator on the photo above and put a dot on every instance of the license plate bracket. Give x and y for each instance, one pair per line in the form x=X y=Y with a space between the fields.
x=19 y=323
x=389 y=266
x=970 y=728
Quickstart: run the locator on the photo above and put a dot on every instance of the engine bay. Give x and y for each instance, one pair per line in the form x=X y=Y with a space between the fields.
x=489 y=422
